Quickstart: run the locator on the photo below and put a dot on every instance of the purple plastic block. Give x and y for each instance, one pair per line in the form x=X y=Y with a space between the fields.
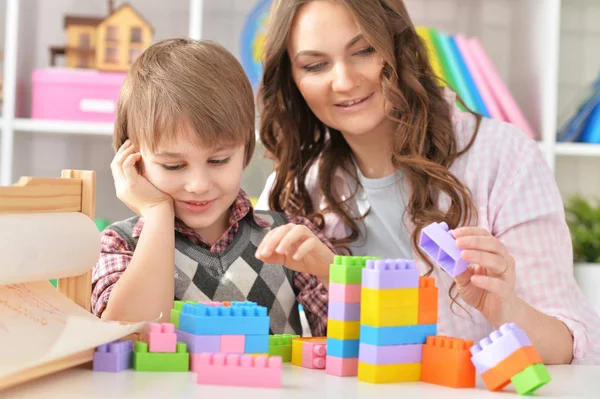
x=115 y=356
x=344 y=311
x=200 y=343
x=390 y=273
x=497 y=346
x=439 y=244
x=393 y=354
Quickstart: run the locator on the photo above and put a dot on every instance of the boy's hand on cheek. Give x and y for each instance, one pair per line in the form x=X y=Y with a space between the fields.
x=134 y=189
x=297 y=248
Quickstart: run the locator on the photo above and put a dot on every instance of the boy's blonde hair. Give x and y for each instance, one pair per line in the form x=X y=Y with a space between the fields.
x=178 y=81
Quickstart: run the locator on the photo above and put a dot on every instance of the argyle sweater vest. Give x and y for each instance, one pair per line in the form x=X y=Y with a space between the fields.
x=234 y=274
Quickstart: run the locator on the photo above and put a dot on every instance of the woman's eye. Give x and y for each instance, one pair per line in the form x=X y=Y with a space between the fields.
x=172 y=167
x=314 y=67
x=366 y=51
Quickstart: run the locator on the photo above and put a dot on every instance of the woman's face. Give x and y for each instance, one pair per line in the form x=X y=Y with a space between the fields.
x=336 y=69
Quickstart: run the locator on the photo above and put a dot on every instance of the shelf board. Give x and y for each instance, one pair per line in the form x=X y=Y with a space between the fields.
x=62 y=127
x=577 y=149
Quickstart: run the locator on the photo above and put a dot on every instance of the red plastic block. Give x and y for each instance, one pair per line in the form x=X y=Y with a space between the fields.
x=233 y=343
x=447 y=362
x=162 y=337
x=239 y=370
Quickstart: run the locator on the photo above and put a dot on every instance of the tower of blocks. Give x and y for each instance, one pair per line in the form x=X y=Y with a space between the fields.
x=391 y=337
x=343 y=325
x=506 y=356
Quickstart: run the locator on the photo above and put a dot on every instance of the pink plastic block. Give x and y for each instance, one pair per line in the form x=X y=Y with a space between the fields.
x=347 y=293
x=390 y=273
x=239 y=370
x=439 y=244
x=498 y=346
x=341 y=366
x=232 y=343
x=74 y=94
x=313 y=354
x=162 y=338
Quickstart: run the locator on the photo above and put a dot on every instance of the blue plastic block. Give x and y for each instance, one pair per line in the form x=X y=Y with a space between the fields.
x=222 y=320
x=345 y=348
x=439 y=244
x=114 y=357
x=256 y=344
x=390 y=273
x=402 y=335
x=497 y=346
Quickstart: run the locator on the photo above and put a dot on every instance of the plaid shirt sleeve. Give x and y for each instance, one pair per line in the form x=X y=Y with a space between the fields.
x=313 y=295
x=115 y=255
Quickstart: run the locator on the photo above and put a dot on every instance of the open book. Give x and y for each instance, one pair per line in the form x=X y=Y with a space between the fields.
x=42 y=330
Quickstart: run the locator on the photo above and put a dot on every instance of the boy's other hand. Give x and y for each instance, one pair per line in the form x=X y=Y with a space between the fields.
x=133 y=189
x=297 y=248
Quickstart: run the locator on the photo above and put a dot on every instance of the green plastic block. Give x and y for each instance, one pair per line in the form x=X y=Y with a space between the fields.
x=158 y=361
x=531 y=379
x=176 y=311
x=348 y=269
x=54 y=282
x=281 y=345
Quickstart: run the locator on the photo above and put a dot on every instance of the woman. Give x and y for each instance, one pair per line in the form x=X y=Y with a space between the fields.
x=368 y=146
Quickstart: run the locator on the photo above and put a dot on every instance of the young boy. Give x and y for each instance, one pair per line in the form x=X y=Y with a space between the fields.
x=184 y=132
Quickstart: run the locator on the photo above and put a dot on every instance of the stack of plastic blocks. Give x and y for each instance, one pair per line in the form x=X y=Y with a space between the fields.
x=391 y=338
x=281 y=345
x=343 y=325
x=215 y=327
x=439 y=244
x=447 y=362
x=309 y=352
x=114 y=357
x=239 y=370
x=506 y=356
x=161 y=352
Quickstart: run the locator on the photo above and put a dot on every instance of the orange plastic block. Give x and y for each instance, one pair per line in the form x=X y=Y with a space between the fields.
x=447 y=362
x=499 y=376
x=428 y=301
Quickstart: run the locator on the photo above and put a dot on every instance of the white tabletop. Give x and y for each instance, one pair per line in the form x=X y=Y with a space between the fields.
x=567 y=382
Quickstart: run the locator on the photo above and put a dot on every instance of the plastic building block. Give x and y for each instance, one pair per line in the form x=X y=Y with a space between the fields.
x=162 y=337
x=281 y=345
x=400 y=335
x=343 y=311
x=341 y=367
x=393 y=354
x=232 y=343
x=428 y=301
x=156 y=361
x=389 y=298
x=348 y=269
x=239 y=370
x=177 y=309
x=200 y=343
x=224 y=320
x=447 y=362
x=390 y=317
x=388 y=373
x=497 y=346
x=313 y=353
x=343 y=329
x=256 y=344
x=114 y=357
x=439 y=244
x=390 y=273
x=346 y=348
x=499 y=376
x=531 y=379
x=347 y=293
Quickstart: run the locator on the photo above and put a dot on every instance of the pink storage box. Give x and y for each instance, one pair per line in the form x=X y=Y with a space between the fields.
x=75 y=94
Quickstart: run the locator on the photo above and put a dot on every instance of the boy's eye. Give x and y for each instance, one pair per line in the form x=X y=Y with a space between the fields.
x=219 y=161
x=173 y=167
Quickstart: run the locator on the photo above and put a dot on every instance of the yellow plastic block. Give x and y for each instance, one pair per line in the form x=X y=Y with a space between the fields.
x=389 y=298
x=388 y=373
x=297 y=352
x=390 y=317
x=343 y=329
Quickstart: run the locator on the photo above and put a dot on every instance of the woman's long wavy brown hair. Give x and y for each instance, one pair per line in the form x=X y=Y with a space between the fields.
x=425 y=143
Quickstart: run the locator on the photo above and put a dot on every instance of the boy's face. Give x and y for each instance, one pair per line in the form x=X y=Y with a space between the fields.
x=204 y=182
